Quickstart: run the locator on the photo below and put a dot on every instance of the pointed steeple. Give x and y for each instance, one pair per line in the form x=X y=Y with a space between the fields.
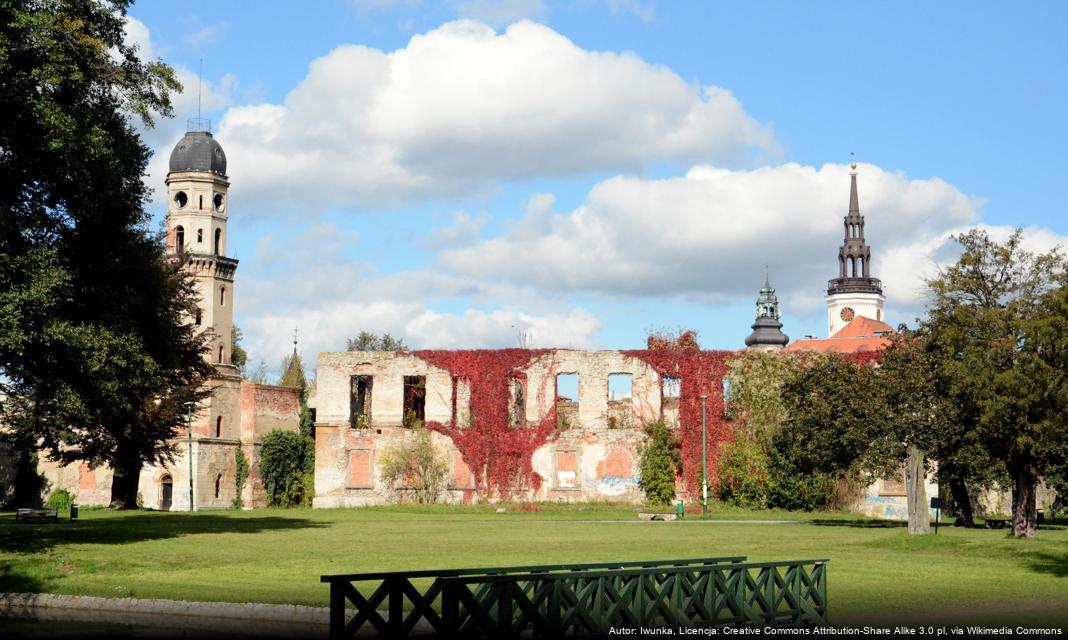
x=767 y=330
x=854 y=256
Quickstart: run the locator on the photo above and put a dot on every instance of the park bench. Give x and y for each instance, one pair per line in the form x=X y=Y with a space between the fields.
x=996 y=523
x=585 y=599
x=36 y=516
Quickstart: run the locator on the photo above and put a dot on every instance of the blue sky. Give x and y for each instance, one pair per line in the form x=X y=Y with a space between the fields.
x=585 y=171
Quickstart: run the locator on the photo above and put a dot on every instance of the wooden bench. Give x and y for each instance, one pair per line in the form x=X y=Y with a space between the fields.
x=36 y=516
x=996 y=523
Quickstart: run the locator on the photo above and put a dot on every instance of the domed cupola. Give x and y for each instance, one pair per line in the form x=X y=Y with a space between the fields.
x=767 y=330
x=198 y=151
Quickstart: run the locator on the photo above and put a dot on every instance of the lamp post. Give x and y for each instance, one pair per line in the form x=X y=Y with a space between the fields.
x=704 y=458
x=189 y=430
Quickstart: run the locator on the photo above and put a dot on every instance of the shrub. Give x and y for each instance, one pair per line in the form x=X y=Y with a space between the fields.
x=421 y=467
x=283 y=463
x=743 y=473
x=660 y=462
x=240 y=476
x=60 y=500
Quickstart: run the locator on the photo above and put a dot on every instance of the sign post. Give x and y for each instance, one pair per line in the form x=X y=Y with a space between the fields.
x=937 y=504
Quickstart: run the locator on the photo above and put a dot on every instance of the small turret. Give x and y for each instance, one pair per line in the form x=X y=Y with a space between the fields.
x=767 y=330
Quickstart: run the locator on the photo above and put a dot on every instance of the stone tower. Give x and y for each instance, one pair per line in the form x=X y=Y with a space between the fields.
x=767 y=330
x=197 y=208
x=196 y=229
x=854 y=292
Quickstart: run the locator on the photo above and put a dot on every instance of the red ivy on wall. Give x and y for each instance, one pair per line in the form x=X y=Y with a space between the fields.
x=499 y=455
x=701 y=373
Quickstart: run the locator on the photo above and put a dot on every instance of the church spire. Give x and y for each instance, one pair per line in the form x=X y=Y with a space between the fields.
x=854 y=256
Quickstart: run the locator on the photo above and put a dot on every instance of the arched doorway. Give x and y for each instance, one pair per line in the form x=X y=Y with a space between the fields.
x=166 y=491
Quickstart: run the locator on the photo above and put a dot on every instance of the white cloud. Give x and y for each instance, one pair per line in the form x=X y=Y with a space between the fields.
x=462 y=106
x=314 y=286
x=709 y=234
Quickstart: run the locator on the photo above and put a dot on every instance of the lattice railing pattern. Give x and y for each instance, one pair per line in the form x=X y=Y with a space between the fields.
x=581 y=599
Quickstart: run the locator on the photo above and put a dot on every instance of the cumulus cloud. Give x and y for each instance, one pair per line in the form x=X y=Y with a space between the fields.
x=314 y=287
x=709 y=234
x=462 y=106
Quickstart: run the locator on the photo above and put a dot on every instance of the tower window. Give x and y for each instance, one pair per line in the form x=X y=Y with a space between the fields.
x=179 y=239
x=220 y=354
x=202 y=202
x=218 y=240
x=197 y=317
x=200 y=236
x=218 y=200
x=222 y=296
x=218 y=427
x=218 y=486
x=181 y=199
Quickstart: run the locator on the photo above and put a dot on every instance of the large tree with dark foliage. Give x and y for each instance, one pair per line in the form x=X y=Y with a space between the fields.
x=92 y=338
x=1000 y=325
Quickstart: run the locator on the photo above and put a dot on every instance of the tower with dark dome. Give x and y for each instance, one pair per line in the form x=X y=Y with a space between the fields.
x=196 y=230
x=767 y=330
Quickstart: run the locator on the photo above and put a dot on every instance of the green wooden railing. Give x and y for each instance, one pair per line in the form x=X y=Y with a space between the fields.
x=410 y=610
x=590 y=603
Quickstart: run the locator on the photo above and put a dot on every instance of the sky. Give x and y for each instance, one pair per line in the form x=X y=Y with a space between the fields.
x=478 y=174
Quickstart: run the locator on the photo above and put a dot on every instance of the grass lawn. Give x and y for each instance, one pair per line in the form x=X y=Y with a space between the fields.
x=878 y=573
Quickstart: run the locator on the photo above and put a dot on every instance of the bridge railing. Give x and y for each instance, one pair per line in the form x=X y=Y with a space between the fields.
x=590 y=603
x=408 y=609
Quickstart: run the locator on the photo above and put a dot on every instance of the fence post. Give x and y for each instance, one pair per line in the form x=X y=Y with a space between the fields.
x=396 y=607
x=450 y=610
x=337 y=611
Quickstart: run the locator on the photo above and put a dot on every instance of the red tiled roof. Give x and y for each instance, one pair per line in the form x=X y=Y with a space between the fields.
x=861 y=334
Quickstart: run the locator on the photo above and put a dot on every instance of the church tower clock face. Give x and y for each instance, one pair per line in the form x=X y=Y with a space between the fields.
x=848 y=314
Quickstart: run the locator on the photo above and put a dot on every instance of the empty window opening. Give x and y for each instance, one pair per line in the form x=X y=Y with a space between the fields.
x=218 y=486
x=455 y=389
x=218 y=427
x=222 y=296
x=200 y=236
x=220 y=354
x=414 y=400
x=620 y=389
x=218 y=241
x=179 y=238
x=567 y=400
x=860 y=265
x=853 y=266
x=360 y=401
x=181 y=199
x=620 y=386
x=672 y=387
x=197 y=318
x=202 y=202
x=518 y=415
x=218 y=201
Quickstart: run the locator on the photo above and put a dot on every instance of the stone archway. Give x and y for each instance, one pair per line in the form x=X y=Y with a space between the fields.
x=166 y=492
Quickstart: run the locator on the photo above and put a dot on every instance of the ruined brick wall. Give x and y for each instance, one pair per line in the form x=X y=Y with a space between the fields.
x=594 y=457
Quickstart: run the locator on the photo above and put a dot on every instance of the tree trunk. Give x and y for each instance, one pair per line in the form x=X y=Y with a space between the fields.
x=916 y=492
x=125 y=479
x=29 y=485
x=1024 y=500
x=959 y=488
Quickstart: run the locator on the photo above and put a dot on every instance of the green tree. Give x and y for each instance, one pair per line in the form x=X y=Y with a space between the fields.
x=366 y=341
x=238 y=356
x=999 y=322
x=293 y=372
x=419 y=465
x=660 y=463
x=90 y=311
x=283 y=467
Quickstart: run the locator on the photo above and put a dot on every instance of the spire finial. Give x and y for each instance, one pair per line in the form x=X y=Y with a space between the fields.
x=853 y=163
x=296 y=332
x=767 y=283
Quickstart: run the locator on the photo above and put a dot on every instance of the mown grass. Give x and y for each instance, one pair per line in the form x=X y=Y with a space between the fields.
x=878 y=573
